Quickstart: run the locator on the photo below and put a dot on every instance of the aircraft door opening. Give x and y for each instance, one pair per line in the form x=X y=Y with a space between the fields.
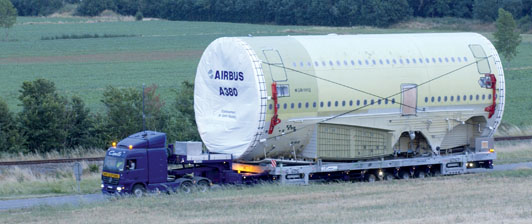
x=275 y=64
x=409 y=99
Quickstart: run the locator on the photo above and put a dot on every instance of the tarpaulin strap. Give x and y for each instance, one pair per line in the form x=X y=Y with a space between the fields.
x=491 y=109
x=275 y=118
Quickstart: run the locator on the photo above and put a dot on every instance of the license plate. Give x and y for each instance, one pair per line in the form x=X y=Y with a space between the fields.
x=113 y=175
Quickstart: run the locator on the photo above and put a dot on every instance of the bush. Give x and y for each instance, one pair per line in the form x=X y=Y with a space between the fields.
x=42 y=116
x=139 y=16
x=95 y=7
x=10 y=139
x=37 y=7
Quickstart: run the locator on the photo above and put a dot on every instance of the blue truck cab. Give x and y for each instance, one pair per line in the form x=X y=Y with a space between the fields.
x=141 y=163
x=138 y=162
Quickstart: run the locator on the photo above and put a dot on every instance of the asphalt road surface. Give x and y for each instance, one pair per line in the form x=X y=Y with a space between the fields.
x=92 y=198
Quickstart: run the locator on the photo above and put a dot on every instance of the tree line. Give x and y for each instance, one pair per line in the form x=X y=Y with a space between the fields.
x=289 y=12
x=50 y=122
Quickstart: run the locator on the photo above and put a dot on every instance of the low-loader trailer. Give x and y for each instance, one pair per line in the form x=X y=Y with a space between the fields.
x=143 y=162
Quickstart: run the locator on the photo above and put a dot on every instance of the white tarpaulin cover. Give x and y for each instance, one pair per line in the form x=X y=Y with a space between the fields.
x=227 y=97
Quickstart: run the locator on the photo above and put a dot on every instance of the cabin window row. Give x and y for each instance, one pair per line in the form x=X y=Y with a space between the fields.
x=344 y=103
x=458 y=98
x=382 y=62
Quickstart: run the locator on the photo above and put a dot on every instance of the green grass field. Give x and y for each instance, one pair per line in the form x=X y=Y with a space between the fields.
x=166 y=53
x=499 y=197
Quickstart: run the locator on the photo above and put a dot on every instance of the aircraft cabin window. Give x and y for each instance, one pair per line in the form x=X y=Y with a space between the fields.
x=374 y=62
x=465 y=59
x=432 y=99
x=284 y=106
x=379 y=101
x=321 y=104
x=352 y=62
x=365 y=102
x=427 y=60
x=477 y=97
x=331 y=63
x=343 y=103
x=394 y=62
x=338 y=63
x=393 y=101
x=446 y=60
x=445 y=98
x=407 y=61
x=372 y=102
x=457 y=97
x=294 y=64
x=345 y=62
x=433 y=60
x=380 y=61
x=335 y=103
x=452 y=98
x=301 y=64
x=316 y=64
x=386 y=101
x=359 y=62
x=439 y=59
x=271 y=107
x=309 y=64
x=358 y=102
x=323 y=63
x=283 y=90
x=328 y=103
x=314 y=104
x=439 y=98
x=470 y=97
x=459 y=59
x=420 y=61
x=306 y=105
x=464 y=98
x=414 y=60
x=489 y=96
x=483 y=97
x=401 y=61
x=426 y=99
x=292 y=106
x=367 y=62
x=387 y=61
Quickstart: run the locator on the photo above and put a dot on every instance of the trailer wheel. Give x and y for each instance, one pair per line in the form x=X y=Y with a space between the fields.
x=139 y=190
x=404 y=175
x=186 y=187
x=203 y=185
x=421 y=175
x=371 y=178
x=388 y=176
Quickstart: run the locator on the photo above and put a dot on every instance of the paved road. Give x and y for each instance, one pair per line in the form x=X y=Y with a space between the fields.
x=91 y=198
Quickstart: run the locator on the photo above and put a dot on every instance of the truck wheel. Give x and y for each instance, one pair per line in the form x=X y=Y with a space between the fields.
x=371 y=178
x=404 y=175
x=139 y=190
x=186 y=187
x=203 y=186
x=421 y=175
x=388 y=176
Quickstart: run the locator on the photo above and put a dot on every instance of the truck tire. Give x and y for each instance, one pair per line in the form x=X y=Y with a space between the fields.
x=186 y=187
x=138 y=190
x=388 y=176
x=371 y=178
x=404 y=175
x=421 y=175
x=203 y=185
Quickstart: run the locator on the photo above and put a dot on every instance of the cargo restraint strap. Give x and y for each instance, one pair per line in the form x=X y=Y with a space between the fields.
x=275 y=118
x=493 y=83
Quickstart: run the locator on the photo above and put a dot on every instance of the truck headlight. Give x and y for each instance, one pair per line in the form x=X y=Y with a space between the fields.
x=102 y=186
x=118 y=188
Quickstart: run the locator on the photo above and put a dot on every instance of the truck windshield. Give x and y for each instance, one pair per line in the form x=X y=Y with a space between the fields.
x=113 y=164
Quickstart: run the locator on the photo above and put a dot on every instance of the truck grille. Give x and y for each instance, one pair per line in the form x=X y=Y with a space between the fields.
x=110 y=180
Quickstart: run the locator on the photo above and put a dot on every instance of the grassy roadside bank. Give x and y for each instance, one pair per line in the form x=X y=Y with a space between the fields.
x=450 y=199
